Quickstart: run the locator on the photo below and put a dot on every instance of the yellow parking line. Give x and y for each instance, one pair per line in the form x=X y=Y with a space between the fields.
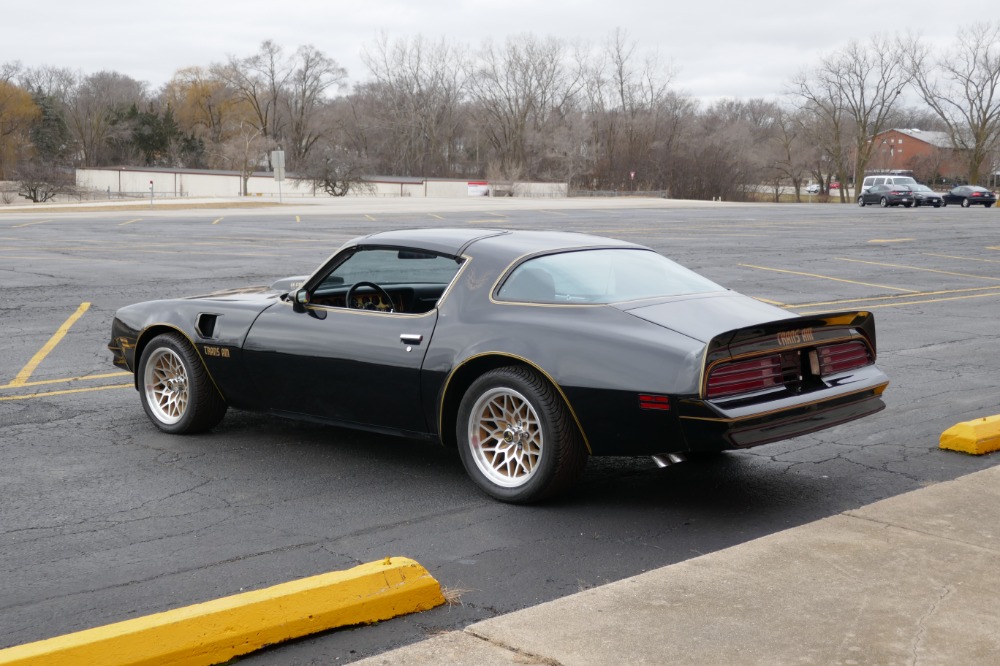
x=64 y=392
x=68 y=380
x=918 y=268
x=902 y=303
x=949 y=256
x=22 y=377
x=869 y=299
x=827 y=277
x=89 y=260
x=890 y=240
x=217 y=220
x=297 y=218
x=28 y=224
x=138 y=219
x=369 y=218
x=436 y=216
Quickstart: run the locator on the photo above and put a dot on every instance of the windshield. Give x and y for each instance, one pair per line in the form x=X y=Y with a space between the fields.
x=601 y=276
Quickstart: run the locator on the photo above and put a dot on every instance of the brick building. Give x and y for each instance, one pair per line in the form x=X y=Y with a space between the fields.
x=929 y=155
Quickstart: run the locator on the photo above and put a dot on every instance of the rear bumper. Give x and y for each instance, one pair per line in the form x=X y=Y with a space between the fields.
x=718 y=433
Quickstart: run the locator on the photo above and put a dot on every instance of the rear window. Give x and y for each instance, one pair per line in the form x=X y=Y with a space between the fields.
x=600 y=276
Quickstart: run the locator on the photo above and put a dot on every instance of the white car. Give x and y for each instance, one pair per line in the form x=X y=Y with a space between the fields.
x=813 y=189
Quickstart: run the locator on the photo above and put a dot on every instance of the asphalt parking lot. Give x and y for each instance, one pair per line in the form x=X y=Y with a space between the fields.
x=105 y=518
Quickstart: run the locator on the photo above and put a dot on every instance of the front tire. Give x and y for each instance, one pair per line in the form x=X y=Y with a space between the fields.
x=861 y=201
x=516 y=437
x=177 y=394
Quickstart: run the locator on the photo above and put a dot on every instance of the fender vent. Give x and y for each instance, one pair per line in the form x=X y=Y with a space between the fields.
x=206 y=325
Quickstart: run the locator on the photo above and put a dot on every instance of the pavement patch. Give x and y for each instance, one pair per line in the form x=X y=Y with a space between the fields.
x=216 y=631
x=977 y=437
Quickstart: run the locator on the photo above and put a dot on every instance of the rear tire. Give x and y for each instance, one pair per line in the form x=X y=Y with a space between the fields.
x=516 y=437
x=965 y=203
x=176 y=392
x=883 y=202
x=907 y=205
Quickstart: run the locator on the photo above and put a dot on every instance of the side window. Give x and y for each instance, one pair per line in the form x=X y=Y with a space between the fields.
x=414 y=279
x=880 y=181
x=390 y=266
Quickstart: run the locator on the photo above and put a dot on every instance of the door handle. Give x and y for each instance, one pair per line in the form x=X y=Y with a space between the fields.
x=410 y=338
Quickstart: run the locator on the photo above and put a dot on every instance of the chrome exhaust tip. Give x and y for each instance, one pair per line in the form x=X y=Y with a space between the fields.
x=668 y=459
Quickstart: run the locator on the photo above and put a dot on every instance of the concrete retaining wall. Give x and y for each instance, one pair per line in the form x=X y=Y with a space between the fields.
x=136 y=182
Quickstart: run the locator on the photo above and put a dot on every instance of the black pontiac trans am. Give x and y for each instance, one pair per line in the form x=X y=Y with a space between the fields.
x=528 y=351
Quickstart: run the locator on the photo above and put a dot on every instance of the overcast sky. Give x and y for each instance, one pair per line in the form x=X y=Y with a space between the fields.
x=722 y=48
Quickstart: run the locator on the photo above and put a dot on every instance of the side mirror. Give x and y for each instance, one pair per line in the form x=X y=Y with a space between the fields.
x=300 y=298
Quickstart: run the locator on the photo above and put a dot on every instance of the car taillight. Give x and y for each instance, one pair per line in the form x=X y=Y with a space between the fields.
x=833 y=359
x=977 y=194
x=744 y=376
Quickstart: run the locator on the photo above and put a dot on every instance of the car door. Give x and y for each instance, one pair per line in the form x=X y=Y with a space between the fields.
x=873 y=194
x=340 y=364
x=346 y=355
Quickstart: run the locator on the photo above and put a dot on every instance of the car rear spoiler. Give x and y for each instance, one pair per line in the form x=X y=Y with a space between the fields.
x=793 y=332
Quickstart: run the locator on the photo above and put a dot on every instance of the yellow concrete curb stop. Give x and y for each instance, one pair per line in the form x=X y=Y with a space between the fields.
x=216 y=631
x=977 y=437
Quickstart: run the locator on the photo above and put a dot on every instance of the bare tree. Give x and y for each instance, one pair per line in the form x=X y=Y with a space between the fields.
x=963 y=88
x=261 y=81
x=91 y=107
x=10 y=71
x=40 y=182
x=633 y=117
x=314 y=75
x=854 y=90
x=57 y=83
x=795 y=151
x=415 y=102
x=245 y=152
x=335 y=170
x=516 y=89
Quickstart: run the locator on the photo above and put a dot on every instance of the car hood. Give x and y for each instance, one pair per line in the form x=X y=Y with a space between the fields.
x=259 y=293
x=704 y=316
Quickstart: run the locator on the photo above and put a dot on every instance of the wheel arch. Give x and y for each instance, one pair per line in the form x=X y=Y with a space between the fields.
x=150 y=333
x=466 y=372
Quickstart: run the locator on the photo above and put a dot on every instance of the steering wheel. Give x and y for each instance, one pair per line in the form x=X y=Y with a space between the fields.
x=371 y=285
